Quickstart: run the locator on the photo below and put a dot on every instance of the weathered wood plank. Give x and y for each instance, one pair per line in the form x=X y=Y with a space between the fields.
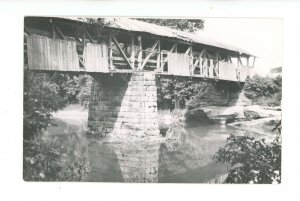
x=95 y=57
x=178 y=64
x=227 y=71
x=245 y=71
x=52 y=54
x=140 y=52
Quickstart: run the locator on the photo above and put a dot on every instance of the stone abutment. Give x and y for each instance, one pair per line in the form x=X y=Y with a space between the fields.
x=124 y=105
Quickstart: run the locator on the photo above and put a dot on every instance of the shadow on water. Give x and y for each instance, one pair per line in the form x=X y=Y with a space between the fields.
x=186 y=162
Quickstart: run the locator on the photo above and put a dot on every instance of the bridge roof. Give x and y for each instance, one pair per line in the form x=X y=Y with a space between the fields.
x=162 y=31
x=198 y=38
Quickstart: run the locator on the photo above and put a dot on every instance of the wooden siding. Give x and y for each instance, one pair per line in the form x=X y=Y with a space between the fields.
x=95 y=57
x=179 y=64
x=227 y=71
x=245 y=71
x=52 y=54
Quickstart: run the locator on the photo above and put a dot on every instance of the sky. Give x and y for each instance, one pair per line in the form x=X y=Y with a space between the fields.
x=259 y=36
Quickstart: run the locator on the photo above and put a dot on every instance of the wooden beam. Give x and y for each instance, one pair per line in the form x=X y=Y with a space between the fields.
x=150 y=53
x=202 y=52
x=158 y=57
x=110 y=55
x=140 y=52
x=191 y=66
x=196 y=62
x=188 y=50
x=200 y=63
x=253 y=61
x=83 y=39
x=60 y=33
x=132 y=56
x=121 y=51
x=53 y=31
x=174 y=47
x=89 y=36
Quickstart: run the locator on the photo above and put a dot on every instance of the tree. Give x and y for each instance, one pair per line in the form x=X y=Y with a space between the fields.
x=190 y=25
x=250 y=160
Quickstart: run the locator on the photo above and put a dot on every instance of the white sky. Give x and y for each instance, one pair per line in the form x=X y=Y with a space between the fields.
x=260 y=36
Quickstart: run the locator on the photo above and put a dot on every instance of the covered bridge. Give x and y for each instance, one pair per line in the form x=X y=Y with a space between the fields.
x=123 y=45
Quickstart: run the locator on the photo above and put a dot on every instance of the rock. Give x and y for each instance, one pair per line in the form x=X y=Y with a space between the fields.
x=42 y=175
x=257 y=112
x=262 y=126
x=218 y=113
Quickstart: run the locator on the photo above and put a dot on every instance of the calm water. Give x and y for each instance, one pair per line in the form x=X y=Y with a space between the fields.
x=186 y=162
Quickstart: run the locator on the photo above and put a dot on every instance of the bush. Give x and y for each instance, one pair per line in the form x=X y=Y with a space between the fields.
x=41 y=97
x=43 y=161
x=250 y=160
x=264 y=90
x=45 y=93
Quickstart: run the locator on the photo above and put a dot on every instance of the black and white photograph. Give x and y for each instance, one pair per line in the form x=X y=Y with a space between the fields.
x=152 y=100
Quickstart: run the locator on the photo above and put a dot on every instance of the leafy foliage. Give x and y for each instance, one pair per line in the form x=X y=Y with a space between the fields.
x=250 y=160
x=43 y=161
x=169 y=88
x=188 y=92
x=264 y=90
x=41 y=97
x=45 y=93
x=84 y=94
x=190 y=25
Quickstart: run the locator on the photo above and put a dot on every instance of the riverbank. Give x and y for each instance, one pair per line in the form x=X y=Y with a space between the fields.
x=253 y=118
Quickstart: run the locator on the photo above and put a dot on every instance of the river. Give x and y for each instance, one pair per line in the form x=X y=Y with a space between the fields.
x=189 y=161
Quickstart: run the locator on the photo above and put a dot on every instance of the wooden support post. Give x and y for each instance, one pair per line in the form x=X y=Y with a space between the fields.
x=200 y=63
x=253 y=61
x=140 y=53
x=149 y=54
x=83 y=39
x=247 y=61
x=217 y=66
x=53 y=31
x=191 y=66
x=238 y=67
x=110 y=53
x=132 y=56
x=158 y=56
x=121 y=51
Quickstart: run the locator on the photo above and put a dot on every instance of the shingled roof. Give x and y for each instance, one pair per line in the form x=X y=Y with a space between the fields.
x=132 y=25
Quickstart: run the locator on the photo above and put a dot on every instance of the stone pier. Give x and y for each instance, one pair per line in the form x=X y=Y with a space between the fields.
x=124 y=105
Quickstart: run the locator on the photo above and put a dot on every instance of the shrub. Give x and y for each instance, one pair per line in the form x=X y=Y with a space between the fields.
x=264 y=90
x=250 y=160
x=43 y=161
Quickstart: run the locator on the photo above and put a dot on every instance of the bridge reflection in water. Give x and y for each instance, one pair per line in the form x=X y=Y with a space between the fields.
x=186 y=162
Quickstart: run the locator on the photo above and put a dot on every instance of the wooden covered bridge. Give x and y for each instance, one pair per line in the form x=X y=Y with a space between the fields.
x=111 y=48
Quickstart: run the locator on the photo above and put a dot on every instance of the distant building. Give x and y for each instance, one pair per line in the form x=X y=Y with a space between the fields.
x=276 y=72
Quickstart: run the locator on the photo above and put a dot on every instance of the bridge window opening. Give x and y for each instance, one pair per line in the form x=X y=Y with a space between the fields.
x=150 y=54
x=121 y=51
x=251 y=61
x=244 y=61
